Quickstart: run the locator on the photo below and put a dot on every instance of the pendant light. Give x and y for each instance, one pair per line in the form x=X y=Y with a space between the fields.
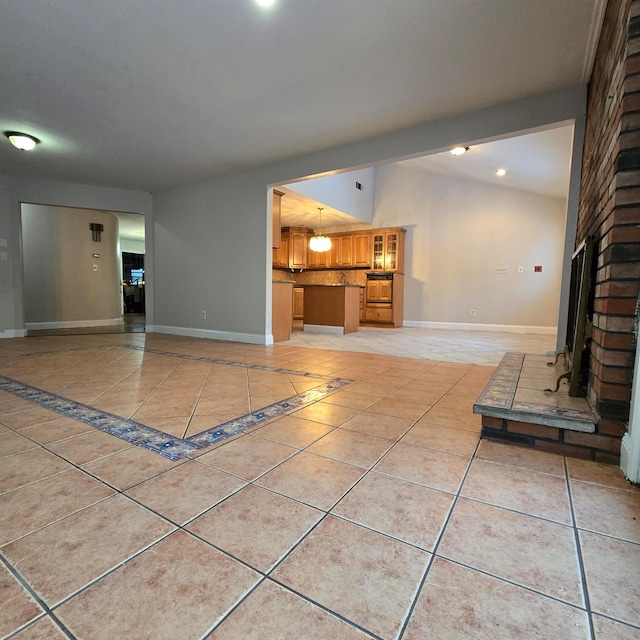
x=318 y=242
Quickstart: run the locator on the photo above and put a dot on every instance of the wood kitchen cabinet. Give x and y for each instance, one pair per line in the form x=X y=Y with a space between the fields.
x=380 y=290
x=361 y=249
x=282 y=310
x=384 y=303
x=292 y=253
x=298 y=303
x=317 y=260
x=298 y=242
x=277 y=197
x=341 y=252
x=387 y=250
x=281 y=254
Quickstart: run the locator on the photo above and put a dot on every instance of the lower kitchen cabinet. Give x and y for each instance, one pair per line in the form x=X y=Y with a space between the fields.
x=298 y=303
x=384 y=304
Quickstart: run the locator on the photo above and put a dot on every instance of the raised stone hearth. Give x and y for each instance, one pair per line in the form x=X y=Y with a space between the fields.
x=516 y=408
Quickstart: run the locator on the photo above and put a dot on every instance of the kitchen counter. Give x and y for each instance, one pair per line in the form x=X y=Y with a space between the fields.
x=331 y=308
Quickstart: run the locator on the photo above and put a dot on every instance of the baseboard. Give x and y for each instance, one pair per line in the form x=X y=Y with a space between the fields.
x=628 y=462
x=323 y=328
x=469 y=326
x=13 y=333
x=209 y=334
x=74 y=324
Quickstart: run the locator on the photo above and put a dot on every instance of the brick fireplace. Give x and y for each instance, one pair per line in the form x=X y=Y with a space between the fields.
x=609 y=211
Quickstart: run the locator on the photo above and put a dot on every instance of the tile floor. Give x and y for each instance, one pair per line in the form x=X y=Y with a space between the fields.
x=373 y=511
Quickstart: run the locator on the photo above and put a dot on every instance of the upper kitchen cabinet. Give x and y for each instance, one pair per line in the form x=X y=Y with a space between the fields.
x=317 y=260
x=387 y=250
x=361 y=249
x=292 y=253
x=298 y=242
x=341 y=252
x=277 y=197
x=281 y=254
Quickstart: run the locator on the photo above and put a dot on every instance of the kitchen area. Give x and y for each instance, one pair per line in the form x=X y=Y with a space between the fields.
x=356 y=278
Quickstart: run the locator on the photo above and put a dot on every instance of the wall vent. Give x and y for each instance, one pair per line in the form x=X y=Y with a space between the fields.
x=359 y=185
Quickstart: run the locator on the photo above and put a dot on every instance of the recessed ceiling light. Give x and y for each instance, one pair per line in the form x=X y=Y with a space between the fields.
x=22 y=141
x=501 y=172
x=266 y=3
x=458 y=151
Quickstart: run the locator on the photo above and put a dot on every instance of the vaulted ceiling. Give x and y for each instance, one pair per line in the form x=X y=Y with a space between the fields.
x=154 y=93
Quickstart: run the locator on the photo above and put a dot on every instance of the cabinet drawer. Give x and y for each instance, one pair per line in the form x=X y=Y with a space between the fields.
x=378 y=314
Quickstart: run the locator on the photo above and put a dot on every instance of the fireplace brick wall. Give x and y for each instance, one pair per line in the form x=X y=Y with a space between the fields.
x=609 y=210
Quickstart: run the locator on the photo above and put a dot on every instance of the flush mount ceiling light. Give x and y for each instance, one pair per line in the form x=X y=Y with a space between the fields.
x=318 y=242
x=458 y=151
x=265 y=3
x=22 y=141
x=501 y=172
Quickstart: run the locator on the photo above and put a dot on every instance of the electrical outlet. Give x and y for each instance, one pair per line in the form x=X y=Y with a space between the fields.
x=501 y=269
x=520 y=269
x=204 y=314
x=95 y=267
x=473 y=312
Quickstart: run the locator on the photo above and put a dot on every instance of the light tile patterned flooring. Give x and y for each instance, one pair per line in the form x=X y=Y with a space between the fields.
x=374 y=512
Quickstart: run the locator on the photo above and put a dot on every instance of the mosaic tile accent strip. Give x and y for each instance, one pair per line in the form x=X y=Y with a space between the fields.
x=129 y=430
x=159 y=442
x=501 y=388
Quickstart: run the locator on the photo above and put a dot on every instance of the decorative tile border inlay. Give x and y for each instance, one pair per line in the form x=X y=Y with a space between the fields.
x=157 y=441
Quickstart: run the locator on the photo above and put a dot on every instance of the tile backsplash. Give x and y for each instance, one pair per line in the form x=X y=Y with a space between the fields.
x=330 y=276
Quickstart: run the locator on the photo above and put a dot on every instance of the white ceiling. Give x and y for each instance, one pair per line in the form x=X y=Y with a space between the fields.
x=537 y=163
x=153 y=93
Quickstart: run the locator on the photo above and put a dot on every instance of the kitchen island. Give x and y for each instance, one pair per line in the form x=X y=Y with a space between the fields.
x=331 y=308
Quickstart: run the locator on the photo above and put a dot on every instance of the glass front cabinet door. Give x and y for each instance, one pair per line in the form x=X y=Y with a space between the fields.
x=387 y=250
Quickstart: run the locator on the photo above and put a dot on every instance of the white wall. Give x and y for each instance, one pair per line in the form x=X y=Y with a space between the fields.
x=458 y=232
x=65 y=285
x=339 y=192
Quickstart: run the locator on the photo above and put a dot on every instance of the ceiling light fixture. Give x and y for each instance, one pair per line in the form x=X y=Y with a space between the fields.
x=22 y=141
x=501 y=172
x=266 y=3
x=458 y=151
x=318 y=242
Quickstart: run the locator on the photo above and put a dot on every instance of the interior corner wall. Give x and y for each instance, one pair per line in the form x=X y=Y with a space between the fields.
x=458 y=233
x=65 y=284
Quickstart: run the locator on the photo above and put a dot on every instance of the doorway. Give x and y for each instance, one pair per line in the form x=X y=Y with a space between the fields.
x=74 y=272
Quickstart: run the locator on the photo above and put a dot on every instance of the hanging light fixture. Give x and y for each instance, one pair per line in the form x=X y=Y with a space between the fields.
x=318 y=242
